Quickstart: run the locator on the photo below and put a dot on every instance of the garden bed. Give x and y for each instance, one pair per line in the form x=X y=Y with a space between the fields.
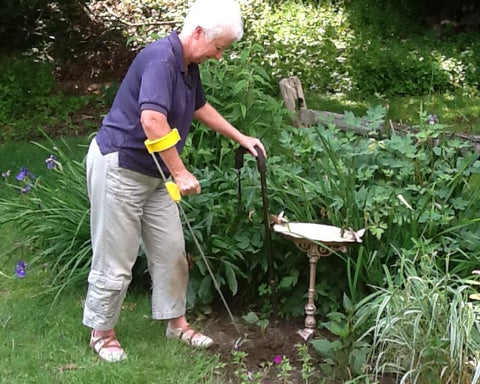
x=265 y=349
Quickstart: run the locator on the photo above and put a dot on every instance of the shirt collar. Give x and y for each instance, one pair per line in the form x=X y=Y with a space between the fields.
x=178 y=51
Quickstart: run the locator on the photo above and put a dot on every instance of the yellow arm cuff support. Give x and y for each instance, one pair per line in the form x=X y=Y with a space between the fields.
x=164 y=142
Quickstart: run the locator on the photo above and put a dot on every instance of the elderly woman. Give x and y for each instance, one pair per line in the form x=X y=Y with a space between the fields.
x=158 y=98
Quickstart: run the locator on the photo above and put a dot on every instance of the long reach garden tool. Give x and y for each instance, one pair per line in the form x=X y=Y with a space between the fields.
x=262 y=169
x=160 y=145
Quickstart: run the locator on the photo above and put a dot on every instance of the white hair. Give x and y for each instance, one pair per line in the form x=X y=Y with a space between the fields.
x=216 y=17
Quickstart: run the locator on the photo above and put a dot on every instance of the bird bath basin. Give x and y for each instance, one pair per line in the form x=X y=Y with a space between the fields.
x=316 y=240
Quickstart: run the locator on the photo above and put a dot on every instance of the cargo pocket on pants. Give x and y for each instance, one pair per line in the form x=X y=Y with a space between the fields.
x=104 y=295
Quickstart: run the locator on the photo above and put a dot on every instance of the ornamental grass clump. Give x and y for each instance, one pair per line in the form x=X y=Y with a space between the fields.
x=52 y=214
x=424 y=327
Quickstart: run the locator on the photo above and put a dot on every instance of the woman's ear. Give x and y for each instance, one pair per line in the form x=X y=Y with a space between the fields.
x=197 y=33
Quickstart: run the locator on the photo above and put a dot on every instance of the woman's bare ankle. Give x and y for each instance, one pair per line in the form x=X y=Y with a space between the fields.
x=178 y=322
x=103 y=333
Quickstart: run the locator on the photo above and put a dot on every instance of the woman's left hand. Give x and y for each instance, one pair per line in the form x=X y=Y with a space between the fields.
x=252 y=144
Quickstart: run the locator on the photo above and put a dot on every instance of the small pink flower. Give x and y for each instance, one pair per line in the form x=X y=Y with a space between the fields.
x=277 y=359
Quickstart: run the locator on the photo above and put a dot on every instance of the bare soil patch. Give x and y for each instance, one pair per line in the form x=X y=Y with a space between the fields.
x=262 y=347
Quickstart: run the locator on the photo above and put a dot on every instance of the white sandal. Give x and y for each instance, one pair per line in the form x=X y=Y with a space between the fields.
x=189 y=336
x=102 y=345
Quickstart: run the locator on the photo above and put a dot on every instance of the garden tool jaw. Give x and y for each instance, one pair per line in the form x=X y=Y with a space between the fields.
x=174 y=193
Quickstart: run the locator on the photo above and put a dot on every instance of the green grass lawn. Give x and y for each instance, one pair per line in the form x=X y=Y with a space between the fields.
x=45 y=343
x=459 y=113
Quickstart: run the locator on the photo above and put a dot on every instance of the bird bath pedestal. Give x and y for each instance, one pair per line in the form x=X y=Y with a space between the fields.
x=316 y=240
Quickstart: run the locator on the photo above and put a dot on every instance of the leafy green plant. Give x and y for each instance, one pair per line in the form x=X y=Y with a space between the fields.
x=343 y=50
x=400 y=187
x=252 y=318
x=284 y=369
x=280 y=368
x=404 y=70
x=344 y=356
x=233 y=238
x=307 y=40
x=242 y=91
x=241 y=370
x=393 y=186
x=308 y=369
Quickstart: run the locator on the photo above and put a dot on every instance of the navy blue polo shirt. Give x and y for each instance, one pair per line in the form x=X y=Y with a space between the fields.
x=156 y=80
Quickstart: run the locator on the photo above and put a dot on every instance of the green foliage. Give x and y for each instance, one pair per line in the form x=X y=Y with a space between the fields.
x=344 y=357
x=52 y=212
x=308 y=369
x=359 y=47
x=399 y=188
x=30 y=100
x=356 y=48
x=423 y=327
x=241 y=372
x=284 y=371
x=306 y=40
x=406 y=190
x=416 y=194
x=280 y=368
x=411 y=67
x=385 y=19
x=141 y=21
x=242 y=91
x=252 y=318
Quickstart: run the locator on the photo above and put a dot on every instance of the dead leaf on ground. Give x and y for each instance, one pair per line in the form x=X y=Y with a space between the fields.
x=67 y=367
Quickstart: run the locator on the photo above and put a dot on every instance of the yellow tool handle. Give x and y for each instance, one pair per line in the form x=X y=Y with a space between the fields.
x=173 y=191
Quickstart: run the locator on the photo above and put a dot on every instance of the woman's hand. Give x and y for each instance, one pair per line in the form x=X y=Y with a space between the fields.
x=250 y=143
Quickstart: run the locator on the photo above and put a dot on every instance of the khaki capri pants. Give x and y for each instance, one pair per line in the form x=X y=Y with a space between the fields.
x=128 y=208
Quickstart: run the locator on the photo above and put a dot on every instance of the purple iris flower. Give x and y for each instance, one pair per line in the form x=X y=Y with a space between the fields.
x=24 y=172
x=27 y=188
x=277 y=359
x=20 y=270
x=52 y=162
